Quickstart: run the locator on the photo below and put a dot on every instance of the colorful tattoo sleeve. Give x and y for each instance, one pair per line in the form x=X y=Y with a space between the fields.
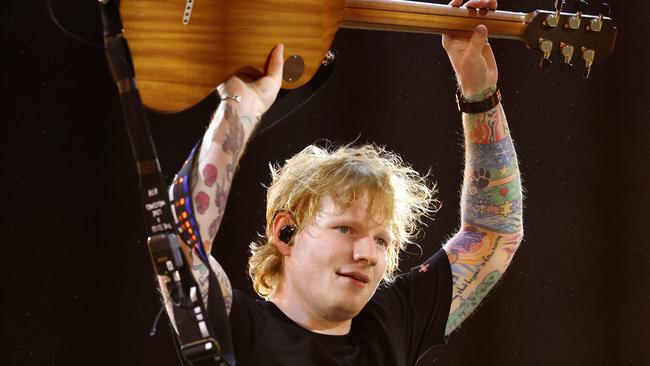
x=491 y=210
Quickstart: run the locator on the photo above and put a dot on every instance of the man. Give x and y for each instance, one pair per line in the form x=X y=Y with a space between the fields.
x=336 y=221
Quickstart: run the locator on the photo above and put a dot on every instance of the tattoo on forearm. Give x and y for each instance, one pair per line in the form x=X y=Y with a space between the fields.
x=486 y=128
x=209 y=173
x=201 y=202
x=491 y=210
x=216 y=168
x=492 y=196
x=220 y=198
x=235 y=136
x=235 y=139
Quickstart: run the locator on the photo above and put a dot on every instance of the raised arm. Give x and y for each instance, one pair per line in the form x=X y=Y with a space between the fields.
x=243 y=102
x=491 y=203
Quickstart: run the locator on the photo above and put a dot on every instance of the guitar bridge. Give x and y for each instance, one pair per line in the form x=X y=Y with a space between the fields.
x=187 y=13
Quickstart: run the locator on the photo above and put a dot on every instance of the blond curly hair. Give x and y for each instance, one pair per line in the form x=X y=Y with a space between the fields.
x=396 y=193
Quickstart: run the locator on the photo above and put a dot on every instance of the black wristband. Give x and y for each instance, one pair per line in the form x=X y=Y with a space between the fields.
x=466 y=106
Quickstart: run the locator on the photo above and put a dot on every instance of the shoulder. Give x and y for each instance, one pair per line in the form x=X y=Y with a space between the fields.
x=434 y=273
x=244 y=304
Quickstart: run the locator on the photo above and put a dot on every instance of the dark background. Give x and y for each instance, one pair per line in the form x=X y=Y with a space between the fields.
x=76 y=282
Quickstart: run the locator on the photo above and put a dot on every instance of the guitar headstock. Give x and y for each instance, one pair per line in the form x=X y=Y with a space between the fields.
x=576 y=37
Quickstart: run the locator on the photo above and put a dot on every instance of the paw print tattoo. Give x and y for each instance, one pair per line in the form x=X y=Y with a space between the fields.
x=480 y=178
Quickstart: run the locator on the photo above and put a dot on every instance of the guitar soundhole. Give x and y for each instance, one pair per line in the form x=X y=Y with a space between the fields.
x=294 y=66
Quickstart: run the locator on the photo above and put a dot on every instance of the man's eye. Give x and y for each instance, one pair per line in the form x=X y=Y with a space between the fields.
x=343 y=229
x=381 y=242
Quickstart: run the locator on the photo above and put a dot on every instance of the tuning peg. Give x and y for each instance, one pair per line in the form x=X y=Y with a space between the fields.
x=574 y=21
x=546 y=46
x=553 y=19
x=597 y=24
x=588 y=56
x=567 y=52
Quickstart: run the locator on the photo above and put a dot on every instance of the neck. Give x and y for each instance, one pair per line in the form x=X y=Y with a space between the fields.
x=306 y=316
x=419 y=17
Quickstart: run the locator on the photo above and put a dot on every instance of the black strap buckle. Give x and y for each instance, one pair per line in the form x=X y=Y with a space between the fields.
x=165 y=253
x=201 y=350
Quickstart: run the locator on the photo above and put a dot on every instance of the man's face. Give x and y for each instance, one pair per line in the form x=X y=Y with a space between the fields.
x=337 y=262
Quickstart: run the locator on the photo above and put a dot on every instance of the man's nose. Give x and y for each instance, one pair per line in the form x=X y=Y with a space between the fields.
x=365 y=250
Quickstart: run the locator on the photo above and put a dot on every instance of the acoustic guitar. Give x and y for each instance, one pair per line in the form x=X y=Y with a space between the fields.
x=182 y=49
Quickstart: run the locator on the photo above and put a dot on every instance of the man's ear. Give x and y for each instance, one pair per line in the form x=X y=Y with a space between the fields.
x=282 y=219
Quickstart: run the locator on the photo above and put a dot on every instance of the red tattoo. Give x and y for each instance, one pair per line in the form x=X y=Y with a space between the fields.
x=511 y=244
x=510 y=251
x=488 y=129
x=209 y=175
x=202 y=202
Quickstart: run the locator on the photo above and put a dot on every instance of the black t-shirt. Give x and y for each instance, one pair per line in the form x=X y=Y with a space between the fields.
x=400 y=323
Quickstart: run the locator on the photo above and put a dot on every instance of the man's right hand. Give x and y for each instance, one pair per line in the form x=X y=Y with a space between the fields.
x=471 y=55
x=257 y=96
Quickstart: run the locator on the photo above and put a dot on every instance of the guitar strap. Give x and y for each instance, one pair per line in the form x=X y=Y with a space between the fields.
x=188 y=230
x=203 y=336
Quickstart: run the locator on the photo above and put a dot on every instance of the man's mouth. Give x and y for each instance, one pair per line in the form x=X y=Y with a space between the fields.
x=360 y=277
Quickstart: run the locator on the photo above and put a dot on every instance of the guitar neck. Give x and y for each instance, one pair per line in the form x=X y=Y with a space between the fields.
x=417 y=17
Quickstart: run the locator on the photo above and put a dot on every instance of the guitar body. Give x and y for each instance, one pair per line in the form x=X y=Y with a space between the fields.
x=180 y=59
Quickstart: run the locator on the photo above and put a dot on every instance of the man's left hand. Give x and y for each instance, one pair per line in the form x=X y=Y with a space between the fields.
x=471 y=56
